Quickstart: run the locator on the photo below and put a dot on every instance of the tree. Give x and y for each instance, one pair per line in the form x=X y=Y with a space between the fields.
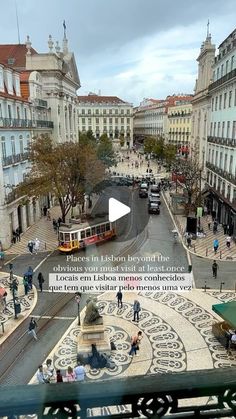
x=67 y=170
x=169 y=153
x=149 y=143
x=192 y=173
x=105 y=151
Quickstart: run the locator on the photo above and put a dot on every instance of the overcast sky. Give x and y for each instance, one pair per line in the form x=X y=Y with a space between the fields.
x=128 y=48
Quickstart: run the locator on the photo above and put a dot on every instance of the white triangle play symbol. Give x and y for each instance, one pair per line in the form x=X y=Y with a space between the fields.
x=117 y=209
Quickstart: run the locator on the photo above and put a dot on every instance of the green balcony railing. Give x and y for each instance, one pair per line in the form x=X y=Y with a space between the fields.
x=204 y=393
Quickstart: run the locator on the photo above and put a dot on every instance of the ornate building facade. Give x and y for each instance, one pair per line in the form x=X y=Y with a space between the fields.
x=221 y=150
x=106 y=114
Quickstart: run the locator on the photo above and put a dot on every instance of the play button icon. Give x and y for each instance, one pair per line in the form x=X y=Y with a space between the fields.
x=117 y=209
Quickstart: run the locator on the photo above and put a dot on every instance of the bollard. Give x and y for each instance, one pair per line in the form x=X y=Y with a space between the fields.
x=206 y=251
x=45 y=246
x=221 y=284
x=194 y=249
x=220 y=254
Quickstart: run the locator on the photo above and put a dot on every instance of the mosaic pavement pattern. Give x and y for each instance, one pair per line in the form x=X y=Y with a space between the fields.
x=26 y=301
x=164 y=348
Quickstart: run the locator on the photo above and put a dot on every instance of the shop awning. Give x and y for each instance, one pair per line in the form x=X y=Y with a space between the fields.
x=227 y=311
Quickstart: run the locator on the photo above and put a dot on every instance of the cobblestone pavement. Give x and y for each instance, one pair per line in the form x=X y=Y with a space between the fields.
x=177 y=335
x=7 y=315
x=203 y=246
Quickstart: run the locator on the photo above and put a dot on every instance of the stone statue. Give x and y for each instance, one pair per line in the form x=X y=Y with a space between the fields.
x=92 y=315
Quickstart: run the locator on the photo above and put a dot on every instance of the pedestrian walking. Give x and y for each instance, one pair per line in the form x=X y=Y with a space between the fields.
x=215 y=225
x=18 y=232
x=36 y=245
x=32 y=328
x=228 y=242
x=45 y=210
x=136 y=309
x=30 y=246
x=225 y=228
x=135 y=341
x=40 y=281
x=59 y=221
x=189 y=240
x=119 y=297
x=79 y=372
x=48 y=215
x=208 y=219
x=216 y=245
x=214 y=269
x=30 y=274
x=26 y=284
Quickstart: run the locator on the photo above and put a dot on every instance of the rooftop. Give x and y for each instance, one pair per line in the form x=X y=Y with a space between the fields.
x=14 y=55
x=100 y=99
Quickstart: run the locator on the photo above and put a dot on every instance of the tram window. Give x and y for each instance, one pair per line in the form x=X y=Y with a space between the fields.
x=108 y=227
x=74 y=236
x=88 y=232
x=67 y=237
x=61 y=236
x=102 y=228
x=82 y=234
x=98 y=230
x=93 y=231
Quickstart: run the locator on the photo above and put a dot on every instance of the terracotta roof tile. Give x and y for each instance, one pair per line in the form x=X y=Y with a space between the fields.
x=16 y=52
x=99 y=99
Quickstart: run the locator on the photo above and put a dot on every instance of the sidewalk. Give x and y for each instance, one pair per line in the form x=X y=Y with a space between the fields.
x=203 y=246
x=27 y=302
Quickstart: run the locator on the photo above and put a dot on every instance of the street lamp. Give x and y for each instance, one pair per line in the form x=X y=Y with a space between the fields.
x=77 y=299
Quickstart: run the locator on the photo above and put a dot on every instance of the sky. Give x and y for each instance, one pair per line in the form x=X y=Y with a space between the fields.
x=132 y=49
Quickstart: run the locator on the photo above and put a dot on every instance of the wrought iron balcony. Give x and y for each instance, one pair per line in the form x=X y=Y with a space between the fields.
x=39 y=103
x=223 y=173
x=44 y=124
x=16 y=158
x=228 y=142
x=222 y=80
x=15 y=123
x=10 y=197
x=204 y=393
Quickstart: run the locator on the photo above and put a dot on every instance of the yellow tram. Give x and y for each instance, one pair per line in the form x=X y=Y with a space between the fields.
x=78 y=236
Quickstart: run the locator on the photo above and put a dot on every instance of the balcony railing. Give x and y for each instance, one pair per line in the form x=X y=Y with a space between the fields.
x=222 y=80
x=228 y=142
x=16 y=158
x=24 y=123
x=223 y=173
x=204 y=393
x=39 y=103
x=10 y=197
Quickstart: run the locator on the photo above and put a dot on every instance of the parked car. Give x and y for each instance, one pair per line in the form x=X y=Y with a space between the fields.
x=143 y=190
x=155 y=197
x=155 y=189
x=153 y=208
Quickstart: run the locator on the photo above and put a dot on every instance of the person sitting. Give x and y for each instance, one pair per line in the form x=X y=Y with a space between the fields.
x=230 y=340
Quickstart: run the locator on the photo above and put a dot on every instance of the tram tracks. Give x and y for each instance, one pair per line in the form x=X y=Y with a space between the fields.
x=19 y=341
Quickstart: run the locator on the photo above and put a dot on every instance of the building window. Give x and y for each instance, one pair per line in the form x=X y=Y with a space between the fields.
x=225 y=162
x=228 y=129
x=83 y=128
x=97 y=120
x=231 y=164
x=220 y=162
x=116 y=111
x=104 y=111
x=110 y=111
x=226 y=66
x=83 y=120
x=9 y=111
x=97 y=112
x=216 y=103
x=225 y=98
x=83 y=111
x=89 y=112
x=104 y=120
x=232 y=63
x=122 y=111
x=116 y=120
x=110 y=120
x=222 y=70
x=122 y=120
x=218 y=73
x=3 y=143
x=223 y=129
x=214 y=132
x=89 y=120
x=230 y=98
x=90 y=128
x=21 y=144
x=218 y=129
x=216 y=160
x=128 y=112
x=234 y=130
x=13 y=146
x=220 y=102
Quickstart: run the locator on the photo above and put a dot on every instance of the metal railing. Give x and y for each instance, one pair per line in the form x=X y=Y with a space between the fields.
x=223 y=173
x=202 y=393
x=15 y=158
x=24 y=123
x=222 y=80
x=227 y=142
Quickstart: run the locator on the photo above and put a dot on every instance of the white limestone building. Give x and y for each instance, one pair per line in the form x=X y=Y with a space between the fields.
x=106 y=114
x=221 y=150
x=201 y=101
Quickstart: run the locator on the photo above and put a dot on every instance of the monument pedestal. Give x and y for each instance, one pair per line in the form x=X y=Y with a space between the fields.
x=93 y=334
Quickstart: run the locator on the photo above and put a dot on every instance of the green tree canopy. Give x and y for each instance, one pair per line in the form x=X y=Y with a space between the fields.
x=67 y=170
x=105 y=151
